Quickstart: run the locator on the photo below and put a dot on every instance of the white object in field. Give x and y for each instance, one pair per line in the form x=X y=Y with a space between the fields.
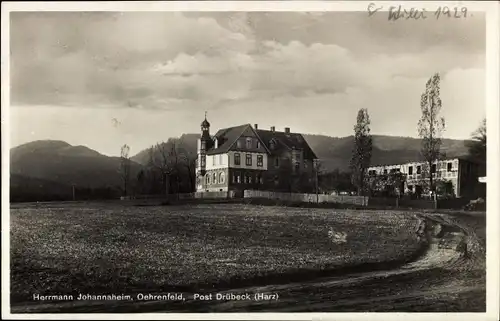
x=337 y=237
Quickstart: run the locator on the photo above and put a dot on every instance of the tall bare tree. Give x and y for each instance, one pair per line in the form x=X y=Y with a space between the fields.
x=362 y=151
x=164 y=158
x=189 y=162
x=431 y=126
x=125 y=167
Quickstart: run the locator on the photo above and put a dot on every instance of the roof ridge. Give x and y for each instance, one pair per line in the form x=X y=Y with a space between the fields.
x=260 y=139
x=237 y=137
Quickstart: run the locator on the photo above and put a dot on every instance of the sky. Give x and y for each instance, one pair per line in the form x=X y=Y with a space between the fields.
x=104 y=79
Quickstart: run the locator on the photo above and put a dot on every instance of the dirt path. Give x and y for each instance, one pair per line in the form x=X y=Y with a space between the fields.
x=448 y=276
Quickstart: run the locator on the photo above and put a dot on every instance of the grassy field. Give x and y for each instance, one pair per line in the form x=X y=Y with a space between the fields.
x=98 y=248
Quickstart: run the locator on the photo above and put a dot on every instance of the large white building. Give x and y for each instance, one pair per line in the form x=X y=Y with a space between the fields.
x=462 y=173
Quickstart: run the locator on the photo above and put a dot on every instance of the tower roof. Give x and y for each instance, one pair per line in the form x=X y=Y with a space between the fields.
x=205 y=122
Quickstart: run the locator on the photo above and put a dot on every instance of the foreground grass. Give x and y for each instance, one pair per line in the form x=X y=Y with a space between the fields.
x=114 y=249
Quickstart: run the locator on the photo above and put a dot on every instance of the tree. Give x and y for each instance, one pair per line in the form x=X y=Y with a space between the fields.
x=160 y=160
x=362 y=151
x=140 y=182
x=445 y=188
x=477 y=147
x=125 y=167
x=165 y=159
x=431 y=125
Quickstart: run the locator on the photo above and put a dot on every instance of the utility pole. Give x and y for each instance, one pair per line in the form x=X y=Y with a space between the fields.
x=316 y=169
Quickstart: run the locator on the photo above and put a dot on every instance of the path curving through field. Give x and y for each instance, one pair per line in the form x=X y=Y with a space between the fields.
x=448 y=275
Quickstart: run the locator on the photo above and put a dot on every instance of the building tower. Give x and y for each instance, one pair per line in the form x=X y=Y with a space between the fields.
x=203 y=145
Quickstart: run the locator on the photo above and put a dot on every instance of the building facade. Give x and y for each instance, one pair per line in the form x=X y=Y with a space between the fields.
x=462 y=173
x=246 y=157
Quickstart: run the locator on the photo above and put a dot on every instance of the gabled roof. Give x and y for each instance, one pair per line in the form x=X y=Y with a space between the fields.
x=227 y=137
x=286 y=141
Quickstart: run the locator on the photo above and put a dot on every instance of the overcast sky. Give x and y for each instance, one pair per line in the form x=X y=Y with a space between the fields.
x=105 y=79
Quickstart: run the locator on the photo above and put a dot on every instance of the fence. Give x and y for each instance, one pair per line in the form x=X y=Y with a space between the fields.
x=206 y=195
x=307 y=198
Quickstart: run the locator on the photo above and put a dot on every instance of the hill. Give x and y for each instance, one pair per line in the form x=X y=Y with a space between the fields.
x=186 y=144
x=335 y=152
x=62 y=163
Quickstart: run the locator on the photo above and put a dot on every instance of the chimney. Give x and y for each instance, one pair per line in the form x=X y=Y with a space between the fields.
x=287 y=130
x=256 y=126
x=273 y=128
x=216 y=142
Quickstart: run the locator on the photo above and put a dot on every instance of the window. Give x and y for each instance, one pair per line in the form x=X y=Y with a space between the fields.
x=221 y=159
x=203 y=160
x=238 y=177
x=249 y=179
x=248 y=160
x=237 y=160
x=305 y=164
x=214 y=178
x=419 y=169
x=260 y=160
x=222 y=177
x=276 y=180
x=297 y=166
x=207 y=179
x=449 y=166
x=410 y=170
x=234 y=178
x=258 y=144
x=276 y=162
x=249 y=143
x=238 y=143
x=214 y=160
x=433 y=168
x=203 y=145
x=261 y=179
x=272 y=144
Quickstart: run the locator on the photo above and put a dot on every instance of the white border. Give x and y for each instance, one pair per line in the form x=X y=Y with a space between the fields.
x=492 y=101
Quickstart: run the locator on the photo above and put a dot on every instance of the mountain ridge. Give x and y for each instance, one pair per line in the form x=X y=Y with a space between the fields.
x=58 y=164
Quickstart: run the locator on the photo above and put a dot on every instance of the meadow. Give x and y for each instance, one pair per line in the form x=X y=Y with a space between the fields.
x=99 y=248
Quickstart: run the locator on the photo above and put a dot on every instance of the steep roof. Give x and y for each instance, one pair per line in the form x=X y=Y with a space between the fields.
x=226 y=138
x=286 y=141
